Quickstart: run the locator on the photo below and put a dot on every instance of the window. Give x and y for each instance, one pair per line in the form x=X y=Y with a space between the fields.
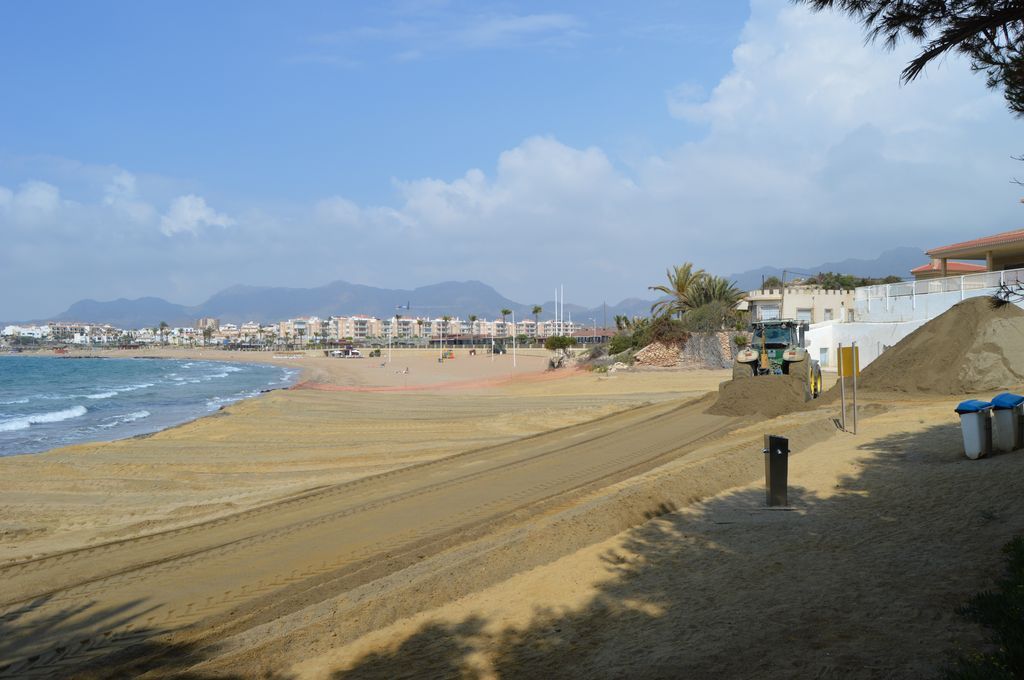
x=803 y=315
x=823 y=356
x=767 y=312
x=828 y=314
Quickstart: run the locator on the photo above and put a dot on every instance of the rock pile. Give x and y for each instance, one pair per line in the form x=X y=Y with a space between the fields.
x=658 y=354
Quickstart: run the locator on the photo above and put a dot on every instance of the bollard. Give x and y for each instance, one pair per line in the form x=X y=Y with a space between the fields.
x=776 y=469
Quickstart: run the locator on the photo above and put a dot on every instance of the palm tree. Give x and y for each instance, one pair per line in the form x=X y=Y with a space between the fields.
x=207 y=334
x=714 y=289
x=681 y=279
x=504 y=326
x=163 y=332
x=472 y=325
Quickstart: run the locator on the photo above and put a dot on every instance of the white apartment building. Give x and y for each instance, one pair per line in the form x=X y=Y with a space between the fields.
x=813 y=305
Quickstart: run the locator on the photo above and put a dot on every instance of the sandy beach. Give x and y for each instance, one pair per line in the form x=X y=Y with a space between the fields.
x=486 y=521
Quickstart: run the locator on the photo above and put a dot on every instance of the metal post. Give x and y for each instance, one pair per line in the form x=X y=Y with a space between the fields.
x=842 y=385
x=776 y=470
x=513 y=339
x=856 y=365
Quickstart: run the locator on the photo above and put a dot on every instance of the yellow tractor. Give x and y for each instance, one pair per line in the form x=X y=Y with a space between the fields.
x=779 y=347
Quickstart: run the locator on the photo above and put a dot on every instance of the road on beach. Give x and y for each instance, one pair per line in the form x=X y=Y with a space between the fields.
x=62 y=612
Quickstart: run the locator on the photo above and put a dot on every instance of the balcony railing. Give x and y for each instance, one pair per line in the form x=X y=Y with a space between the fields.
x=949 y=284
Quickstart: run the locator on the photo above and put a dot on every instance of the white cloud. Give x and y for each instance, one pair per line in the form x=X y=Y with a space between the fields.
x=32 y=204
x=446 y=31
x=120 y=194
x=812 y=151
x=191 y=214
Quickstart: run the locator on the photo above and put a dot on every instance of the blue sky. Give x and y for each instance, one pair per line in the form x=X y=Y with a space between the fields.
x=173 y=149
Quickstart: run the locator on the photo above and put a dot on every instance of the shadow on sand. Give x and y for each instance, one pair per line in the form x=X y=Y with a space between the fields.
x=860 y=582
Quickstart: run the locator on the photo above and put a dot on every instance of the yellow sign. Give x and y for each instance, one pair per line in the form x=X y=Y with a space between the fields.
x=849 y=361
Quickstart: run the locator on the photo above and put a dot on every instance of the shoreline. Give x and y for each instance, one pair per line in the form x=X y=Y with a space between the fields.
x=288 y=382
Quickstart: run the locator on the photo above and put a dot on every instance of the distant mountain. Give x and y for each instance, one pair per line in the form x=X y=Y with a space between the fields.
x=898 y=261
x=124 y=313
x=239 y=304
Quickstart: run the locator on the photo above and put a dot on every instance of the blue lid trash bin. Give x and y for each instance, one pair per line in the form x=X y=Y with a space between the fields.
x=974 y=426
x=1006 y=411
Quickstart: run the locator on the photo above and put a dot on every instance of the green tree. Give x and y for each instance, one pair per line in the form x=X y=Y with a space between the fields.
x=163 y=332
x=537 y=309
x=680 y=279
x=559 y=342
x=988 y=32
x=207 y=334
x=772 y=283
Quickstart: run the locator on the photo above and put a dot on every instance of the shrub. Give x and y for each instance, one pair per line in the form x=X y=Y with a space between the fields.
x=740 y=340
x=557 y=342
x=620 y=343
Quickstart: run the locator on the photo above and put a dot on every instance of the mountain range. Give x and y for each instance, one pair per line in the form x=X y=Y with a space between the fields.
x=239 y=304
x=897 y=261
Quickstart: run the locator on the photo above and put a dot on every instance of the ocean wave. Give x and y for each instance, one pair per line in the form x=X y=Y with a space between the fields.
x=114 y=421
x=233 y=369
x=102 y=395
x=16 y=401
x=24 y=422
x=216 y=375
x=132 y=388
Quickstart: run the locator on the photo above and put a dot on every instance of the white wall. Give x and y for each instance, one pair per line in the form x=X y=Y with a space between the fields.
x=871 y=338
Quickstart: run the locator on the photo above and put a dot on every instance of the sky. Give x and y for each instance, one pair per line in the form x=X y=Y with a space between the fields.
x=175 y=149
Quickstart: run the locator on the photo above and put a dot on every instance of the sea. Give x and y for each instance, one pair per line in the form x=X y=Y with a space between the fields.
x=46 y=402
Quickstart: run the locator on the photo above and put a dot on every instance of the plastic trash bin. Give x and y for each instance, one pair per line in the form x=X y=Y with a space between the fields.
x=974 y=425
x=1006 y=411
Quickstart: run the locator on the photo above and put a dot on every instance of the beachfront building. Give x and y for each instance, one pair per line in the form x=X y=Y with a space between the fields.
x=34 y=332
x=208 y=322
x=887 y=313
x=933 y=270
x=250 y=332
x=552 y=328
x=364 y=327
x=804 y=303
x=527 y=327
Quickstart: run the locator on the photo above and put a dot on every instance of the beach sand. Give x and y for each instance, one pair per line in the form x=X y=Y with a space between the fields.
x=289 y=441
x=889 y=531
x=601 y=545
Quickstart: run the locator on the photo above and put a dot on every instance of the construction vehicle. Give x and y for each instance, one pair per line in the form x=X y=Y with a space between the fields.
x=779 y=347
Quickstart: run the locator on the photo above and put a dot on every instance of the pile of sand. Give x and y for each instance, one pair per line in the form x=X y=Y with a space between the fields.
x=973 y=347
x=769 y=395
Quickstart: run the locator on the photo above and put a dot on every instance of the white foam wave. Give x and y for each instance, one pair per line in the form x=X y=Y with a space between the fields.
x=102 y=395
x=114 y=421
x=233 y=369
x=16 y=401
x=132 y=388
x=216 y=375
x=24 y=422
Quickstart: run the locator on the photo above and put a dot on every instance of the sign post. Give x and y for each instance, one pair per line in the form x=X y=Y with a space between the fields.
x=849 y=366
